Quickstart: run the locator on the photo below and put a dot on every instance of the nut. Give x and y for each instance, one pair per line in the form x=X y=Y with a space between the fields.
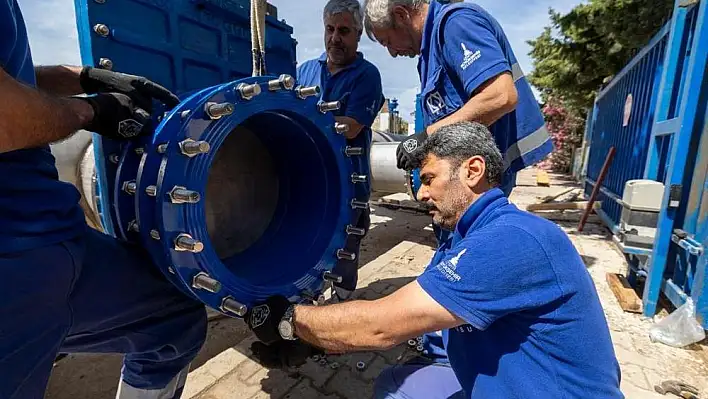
x=334 y=365
x=360 y=366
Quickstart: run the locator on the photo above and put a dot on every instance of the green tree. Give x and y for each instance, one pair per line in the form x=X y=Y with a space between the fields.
x=581 y=50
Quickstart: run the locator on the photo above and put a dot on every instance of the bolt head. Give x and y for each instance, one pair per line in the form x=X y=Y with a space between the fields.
x=106 y=63
x=101 y=30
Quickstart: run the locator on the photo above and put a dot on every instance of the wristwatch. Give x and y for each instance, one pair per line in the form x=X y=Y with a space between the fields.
x=286 y=327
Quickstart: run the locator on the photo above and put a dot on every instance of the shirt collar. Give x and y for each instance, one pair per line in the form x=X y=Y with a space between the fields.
x=433 y=8
x=359 y=59
x=476 y=214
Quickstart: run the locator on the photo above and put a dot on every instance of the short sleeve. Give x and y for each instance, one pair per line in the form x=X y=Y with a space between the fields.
x=366 y=97
x=472 y=50
x=492 y=273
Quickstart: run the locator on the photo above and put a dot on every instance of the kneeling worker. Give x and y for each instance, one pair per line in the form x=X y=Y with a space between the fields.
x=519 y=312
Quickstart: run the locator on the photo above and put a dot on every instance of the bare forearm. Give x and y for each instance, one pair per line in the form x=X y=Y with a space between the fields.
x=347 y=327
x=59 y=80
x=30 y=118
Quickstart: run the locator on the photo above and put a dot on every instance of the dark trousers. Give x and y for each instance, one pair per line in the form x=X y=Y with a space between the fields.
x=93 y=294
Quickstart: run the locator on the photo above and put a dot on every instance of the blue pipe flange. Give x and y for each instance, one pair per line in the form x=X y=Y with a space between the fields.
x=244 y=191
x=413 y=183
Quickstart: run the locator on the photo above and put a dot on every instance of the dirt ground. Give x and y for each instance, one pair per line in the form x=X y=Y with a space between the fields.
x=397 y=249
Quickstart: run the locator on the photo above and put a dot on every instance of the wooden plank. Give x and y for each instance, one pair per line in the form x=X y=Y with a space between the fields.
x=628 y=300
x=550 y=198
x=542 y=178
x=596 y=189
x=561 y=206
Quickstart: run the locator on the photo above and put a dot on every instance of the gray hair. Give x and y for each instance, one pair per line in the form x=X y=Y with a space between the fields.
x=379 y=13
x=339 y=6
x=461 y=141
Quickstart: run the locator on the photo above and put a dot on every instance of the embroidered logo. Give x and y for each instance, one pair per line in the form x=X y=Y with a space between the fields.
x=449 y=267
x=259 y=316
x=435 y=103
x=469 y=56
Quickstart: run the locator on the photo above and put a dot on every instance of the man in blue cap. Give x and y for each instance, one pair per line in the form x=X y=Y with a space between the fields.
x=65 y=287
x=468 y=72
x=344 y=75
x=519 y=312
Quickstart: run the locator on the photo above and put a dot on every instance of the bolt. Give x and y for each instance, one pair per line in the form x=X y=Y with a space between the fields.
x=328 y=107
x=171 y=270
x=249 y=91
x=193 y=148
x=133 y=226
x=329 y=276
x=216 y=111
x=355 y=231
x=341 y=128
x=231 y=305
x=361 y=366
x=304 y=92
x=344 y=255
x=358 y=178
x=185 y=243
x=359 y=204
x=100 y=1
x=114 y=158
x=151 y=190
x=180 y=195
x=101 y=30
x=285 y=82
x=139 y=151
x=162 y=148
x=155 y=234
x=353 y=151
x=184 y=115
x=106 y=63
x=202 y=281
x=130 y=187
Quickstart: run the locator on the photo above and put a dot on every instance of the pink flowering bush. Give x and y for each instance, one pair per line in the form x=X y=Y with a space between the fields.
x=566 y=127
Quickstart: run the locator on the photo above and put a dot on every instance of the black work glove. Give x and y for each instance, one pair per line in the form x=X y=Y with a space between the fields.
x=141 y=90
x=283 y=354
x=263 y=319
x=116 y=116
x=405 y=150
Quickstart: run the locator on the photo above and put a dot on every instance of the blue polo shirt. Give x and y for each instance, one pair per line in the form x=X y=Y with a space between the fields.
x=358 y=87
x=535 y=327
x=463 y=47
x=36 y=209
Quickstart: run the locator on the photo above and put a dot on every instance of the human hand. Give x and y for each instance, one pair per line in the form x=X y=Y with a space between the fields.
x=405 y=150
x=263 y=319
x=141 y=90
x=115 y=116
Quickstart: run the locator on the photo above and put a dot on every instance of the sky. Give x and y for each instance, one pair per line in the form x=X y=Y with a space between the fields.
x=52 y=31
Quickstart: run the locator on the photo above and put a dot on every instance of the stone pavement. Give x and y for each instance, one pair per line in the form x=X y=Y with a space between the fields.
x=397 y=249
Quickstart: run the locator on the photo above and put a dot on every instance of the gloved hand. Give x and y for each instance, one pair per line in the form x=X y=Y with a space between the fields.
x=116 y=117
x=141 y=90
x=283 y=354
x=405 y=150
x=263 y=319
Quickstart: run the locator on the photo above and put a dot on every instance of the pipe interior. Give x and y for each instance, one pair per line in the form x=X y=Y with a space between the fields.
x=272 y=198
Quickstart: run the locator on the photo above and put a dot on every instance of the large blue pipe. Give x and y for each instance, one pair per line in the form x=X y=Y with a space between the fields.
x=245 y=190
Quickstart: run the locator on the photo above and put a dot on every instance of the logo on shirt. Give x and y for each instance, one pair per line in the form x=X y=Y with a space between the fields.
x=449 y=267
x=469 y=56
x=435 y=103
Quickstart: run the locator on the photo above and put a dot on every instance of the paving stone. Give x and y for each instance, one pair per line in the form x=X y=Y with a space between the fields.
x=395 y=354
x=620 y=338
x=317 y=373
x=274 y=384
x=198 y=381
x=348 y=385
x=373 y=369
x=231 y=387
x=304 y=390
x=633 y=392
x=635 y=375
x=352 y=359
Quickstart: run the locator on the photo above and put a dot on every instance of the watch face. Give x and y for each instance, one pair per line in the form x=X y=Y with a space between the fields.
x=285 y=329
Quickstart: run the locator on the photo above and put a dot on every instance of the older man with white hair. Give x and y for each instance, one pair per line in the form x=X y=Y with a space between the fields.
x=344 y=75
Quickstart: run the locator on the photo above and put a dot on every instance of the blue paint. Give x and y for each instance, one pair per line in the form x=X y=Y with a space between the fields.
x=671 y=144
x=200 y=49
